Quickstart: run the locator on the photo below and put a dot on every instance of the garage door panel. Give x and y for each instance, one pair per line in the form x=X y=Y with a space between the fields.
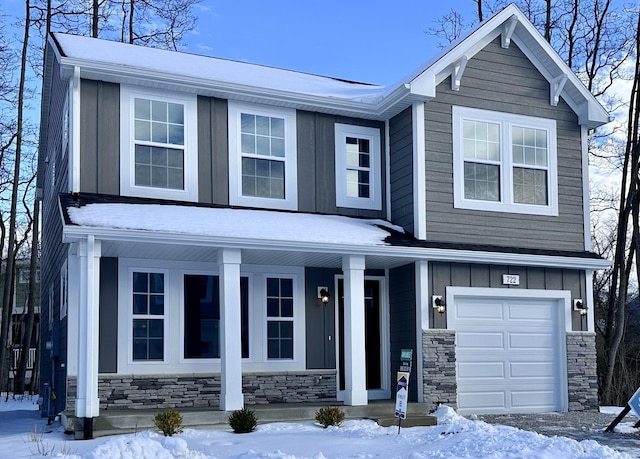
x=480 y=340
x=474 y=311
x=507 y=354
x=531 y=341
x=483 y=401
x=534 y=400
x=482 y=370
x=532 y=370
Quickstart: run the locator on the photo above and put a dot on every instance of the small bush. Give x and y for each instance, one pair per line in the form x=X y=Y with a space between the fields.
x=243 y=421
x=169 y=422
x=330 y=416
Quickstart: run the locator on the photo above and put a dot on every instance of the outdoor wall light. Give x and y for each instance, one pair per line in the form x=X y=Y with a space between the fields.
x=438 y=304
x=324 y=295
x=578 y=305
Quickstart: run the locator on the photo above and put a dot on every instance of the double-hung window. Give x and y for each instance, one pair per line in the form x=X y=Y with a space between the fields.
x=148 y=312
x=262 y=156
x=280 y=321
x=358 y=171
x=158 y=145
x=504 y=162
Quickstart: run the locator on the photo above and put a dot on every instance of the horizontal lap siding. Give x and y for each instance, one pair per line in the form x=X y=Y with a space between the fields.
x=401 y=169
x=502 y=80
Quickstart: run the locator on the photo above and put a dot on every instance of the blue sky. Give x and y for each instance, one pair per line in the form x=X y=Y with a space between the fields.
x=372 y=41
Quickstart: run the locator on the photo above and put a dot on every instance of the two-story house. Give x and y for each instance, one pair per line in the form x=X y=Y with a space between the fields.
x=218 y=233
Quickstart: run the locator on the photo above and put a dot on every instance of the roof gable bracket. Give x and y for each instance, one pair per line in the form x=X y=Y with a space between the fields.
x=458 y=70
x=557 y=85
x=507 y=30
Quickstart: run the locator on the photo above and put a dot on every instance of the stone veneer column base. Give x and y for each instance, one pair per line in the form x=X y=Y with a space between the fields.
x=582 y=377
x=439 y=368
x=119 y=392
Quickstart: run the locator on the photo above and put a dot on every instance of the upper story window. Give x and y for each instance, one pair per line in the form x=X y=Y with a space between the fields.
x=504 y=162
x=262 y=156
x=358 y=171
x=158 y=145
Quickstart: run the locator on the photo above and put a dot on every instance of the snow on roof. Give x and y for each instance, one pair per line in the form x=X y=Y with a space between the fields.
x=125 y=56
x=234 y=223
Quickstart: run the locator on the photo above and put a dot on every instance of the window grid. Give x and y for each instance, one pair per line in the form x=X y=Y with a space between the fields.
x=262 y=137
x=481 y=146
x=358 y=163
x=148 y=315
x=279 y=318
x=159 y=144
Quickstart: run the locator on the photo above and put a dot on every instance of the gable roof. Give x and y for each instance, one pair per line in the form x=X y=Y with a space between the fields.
x=124 y=63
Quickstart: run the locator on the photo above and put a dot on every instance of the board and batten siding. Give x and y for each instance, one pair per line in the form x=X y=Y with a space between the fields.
x=213 y=152
x=316 y=164
x=99 y=137
x=502 y=80
x=443 y=275
x=401 y=169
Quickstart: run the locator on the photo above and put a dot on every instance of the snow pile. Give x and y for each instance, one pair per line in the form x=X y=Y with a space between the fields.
x=453 y=437
x=18 y=402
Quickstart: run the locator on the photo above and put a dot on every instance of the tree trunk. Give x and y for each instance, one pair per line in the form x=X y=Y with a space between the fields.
x=7 y=303
x=31 y=305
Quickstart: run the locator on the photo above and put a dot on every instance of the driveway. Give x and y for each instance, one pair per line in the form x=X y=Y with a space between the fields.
x=579 y=425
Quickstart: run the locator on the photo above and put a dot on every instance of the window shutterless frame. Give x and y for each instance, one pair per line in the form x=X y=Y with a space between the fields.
x=358 y=167
x=158 y=144
x=504 y=162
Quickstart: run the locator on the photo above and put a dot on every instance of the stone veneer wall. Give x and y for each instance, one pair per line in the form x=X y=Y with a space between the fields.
x=582 y=378
x=439 y=368
x=203 y=390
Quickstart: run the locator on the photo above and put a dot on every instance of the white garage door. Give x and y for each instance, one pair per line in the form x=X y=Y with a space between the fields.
x=508 y=355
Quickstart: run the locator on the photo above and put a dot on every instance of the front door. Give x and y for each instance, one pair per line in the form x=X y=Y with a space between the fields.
x=375 y=350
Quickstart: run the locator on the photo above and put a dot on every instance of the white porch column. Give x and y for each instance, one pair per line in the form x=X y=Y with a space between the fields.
x=87 y=402
x=354 y=327
x=231 y=397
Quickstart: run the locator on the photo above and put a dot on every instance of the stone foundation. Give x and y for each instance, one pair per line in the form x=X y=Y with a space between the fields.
x=203 y=390
x=582 y=378
x=439 y=368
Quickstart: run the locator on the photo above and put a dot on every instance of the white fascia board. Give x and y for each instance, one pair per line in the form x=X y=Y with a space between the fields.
x=373 y=105
x=74 y=233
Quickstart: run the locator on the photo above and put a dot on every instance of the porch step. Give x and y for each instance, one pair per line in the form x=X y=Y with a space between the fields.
x=131 y=421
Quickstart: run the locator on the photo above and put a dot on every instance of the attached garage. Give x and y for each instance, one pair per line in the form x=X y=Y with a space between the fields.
x=510 y=350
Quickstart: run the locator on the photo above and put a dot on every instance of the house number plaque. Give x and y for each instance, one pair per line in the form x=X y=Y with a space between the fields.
x=510 y=279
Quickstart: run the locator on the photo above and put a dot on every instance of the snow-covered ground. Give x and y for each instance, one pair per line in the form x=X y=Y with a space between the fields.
x=24 y=434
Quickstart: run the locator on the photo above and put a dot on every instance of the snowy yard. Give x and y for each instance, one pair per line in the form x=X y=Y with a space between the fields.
x=24 y=434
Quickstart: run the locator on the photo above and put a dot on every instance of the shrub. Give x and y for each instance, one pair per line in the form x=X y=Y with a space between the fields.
x=243 y=421
x=169 y=422
x=330 y=416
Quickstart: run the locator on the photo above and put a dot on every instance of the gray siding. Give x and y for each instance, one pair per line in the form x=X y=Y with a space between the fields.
x=502 y=80
x=443 y=275
x=401 y=169
x=108 y=316
x=53 y=363
x=213 y=155
x=100 y=137
x=402 y=318
x=316 y=164
x=320 y=319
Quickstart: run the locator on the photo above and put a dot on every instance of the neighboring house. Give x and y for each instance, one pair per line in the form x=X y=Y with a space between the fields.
x=20 y=296
x=195 y=208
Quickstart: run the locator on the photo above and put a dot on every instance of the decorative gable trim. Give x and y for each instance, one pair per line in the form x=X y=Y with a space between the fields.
x=557 y=84
x=508 y=27
x=458 y=70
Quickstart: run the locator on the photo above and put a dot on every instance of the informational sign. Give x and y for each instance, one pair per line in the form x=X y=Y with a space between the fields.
x=402 y=395
x=510 y=279
x=402 y=391
x=634 y=403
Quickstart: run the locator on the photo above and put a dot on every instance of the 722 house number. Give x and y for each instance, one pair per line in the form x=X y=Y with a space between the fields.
x=511 y=279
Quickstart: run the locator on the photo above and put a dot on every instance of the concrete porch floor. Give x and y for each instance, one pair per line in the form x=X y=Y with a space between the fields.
x=113 y=422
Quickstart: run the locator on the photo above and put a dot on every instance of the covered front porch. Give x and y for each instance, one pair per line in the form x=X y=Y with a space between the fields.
x=244 y=250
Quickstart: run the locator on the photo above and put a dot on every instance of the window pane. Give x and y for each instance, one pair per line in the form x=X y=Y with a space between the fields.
x=248 y=123
x=140 y=305
x=286 y=288
x=176 y=114
x=142 y=109
x=156 y=349
x=140 y=350
x=248 y=144
x=176 y=134
x=286 y=307
x=156 y=329
x=156 y=282
x=352 y=184
x=202 y=316
x=263 y=146
x=142 y=130
x=352 y=152
x=262 y=126
x=156 y=305
x=530 y=186
x=277 y=147
x=140 y=328
x=277 y=127
x=273 y=287
x=158 y=111
x=159 y=132
x=141 y=282
x=481 y=181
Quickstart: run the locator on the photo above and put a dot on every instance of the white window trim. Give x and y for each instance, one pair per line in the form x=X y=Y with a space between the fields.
x=374 y=201
x=235 y=157
x=506 y=120
x=127 y=157
x=166 y=344
x=174 y=319
x=64 y=289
